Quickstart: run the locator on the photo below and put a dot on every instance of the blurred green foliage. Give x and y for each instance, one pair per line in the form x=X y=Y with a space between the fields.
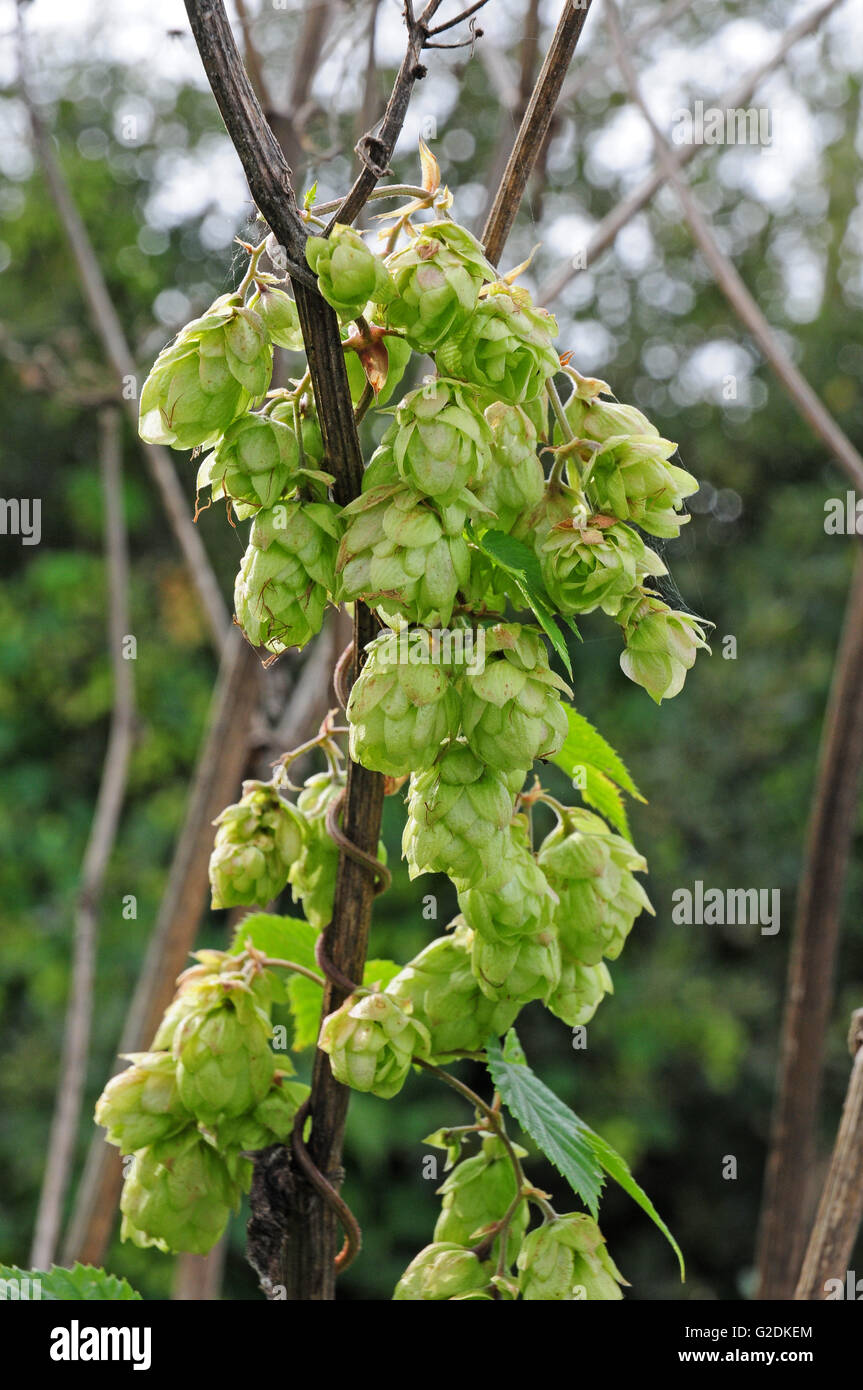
x=679 y=1067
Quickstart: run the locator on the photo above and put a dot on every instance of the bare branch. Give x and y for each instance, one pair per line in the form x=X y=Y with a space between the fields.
x=465 y=14
x=100 y=845
x=533 y=128
x=831 y=1244
x=729 y=281
x=741 y=95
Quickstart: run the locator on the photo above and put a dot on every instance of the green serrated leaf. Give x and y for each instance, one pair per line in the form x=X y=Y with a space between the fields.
x=304 y=997
x=310 y=196
x=81 y=1283
x=284 y=938
x=600 y=792
x=560 y=1134
x=584 y=746
x=519 y=562
x=580 y=1154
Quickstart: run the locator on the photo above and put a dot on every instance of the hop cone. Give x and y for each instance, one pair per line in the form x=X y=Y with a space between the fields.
x=566 y=1259
x=349 y=274
x=581 y=990
x=458 y=813
x=594 y=562
x=255 y=461
x=512 y=482
x=600 y=420
x=478 y=1192
x=271 y=1121
x=370 y=1041
x=511 y=709
x=440 y=440
x=287 y=574
x=506 y=347
x=438 y=989
x=518 y=971
x=661 y=645
x=203 y=985
x=207 y=377
x=403 y=555
x=141 y=1105
x=591 y=869
x=438 y=278
x=313 y=873
x=630 y=477
x=400 y=712
x=257 y=841
x=442 y=1270
x=222 y=1050
x=514 y=902
x=313 y=453
x=280 y=318
x=178 y=1195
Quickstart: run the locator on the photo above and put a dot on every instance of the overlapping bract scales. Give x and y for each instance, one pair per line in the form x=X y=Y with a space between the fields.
x=506 y=347
x=257 y=841
x=207 y=377
x=511 y=707
x=440 y=441
x=661 y=644
x=401 y=711
x=437 y=278
x=287 y=574
x=370 y=1041
x=566 y=1259
x=349 y=274
x=512 y=482
x=458 y=814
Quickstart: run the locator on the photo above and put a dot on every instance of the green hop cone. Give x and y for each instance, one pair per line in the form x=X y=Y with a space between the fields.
x=512 y=903
x=511 y=709
x=222 y=1050
x=581 y=990
x=438 y=278
x=661 y=644
x=370 y=1042
x=349 y=274
x=287 y=574
x=178 y=1195
x=439 y=990
x=477 y=1193
x=512 y=482
x=271 y=1121
x=566 y=1259
x=311 y=438
x=440 y=440
x=630 y=477
x=403 y=555
x=506 y=347
x=255 y=462
x=207 y=377
x=458 y=814
x=142 y=1105
x=441 y=1271
x=257 y=840
x=518 y=971
x=597 y=419
x=401 y=710
x=313 y=873
x=278 y=313
x=593 y=562
x=592 y=871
